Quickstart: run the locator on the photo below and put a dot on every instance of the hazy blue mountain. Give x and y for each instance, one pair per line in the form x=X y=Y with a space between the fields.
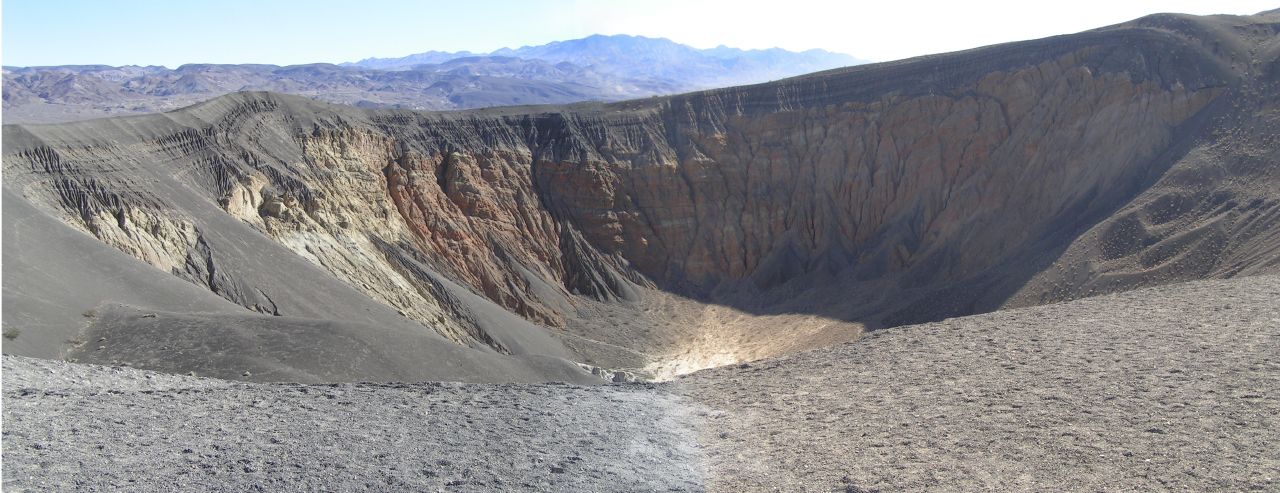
x=66 y=93
x=428 y=57
x=604 y=68
x=639 y=57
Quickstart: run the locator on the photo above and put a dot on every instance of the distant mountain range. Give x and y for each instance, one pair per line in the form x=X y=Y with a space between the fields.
x=654 y=59
x=597 y=67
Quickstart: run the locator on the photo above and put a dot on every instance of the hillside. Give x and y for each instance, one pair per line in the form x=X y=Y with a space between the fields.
x=1172 y=387
x=660 y=235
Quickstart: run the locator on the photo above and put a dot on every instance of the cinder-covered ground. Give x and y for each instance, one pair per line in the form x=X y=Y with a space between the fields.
x=1174 y=387
x=91 y=428
x=1171 y=388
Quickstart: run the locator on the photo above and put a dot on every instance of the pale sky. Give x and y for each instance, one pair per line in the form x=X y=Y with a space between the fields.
x=173 y=32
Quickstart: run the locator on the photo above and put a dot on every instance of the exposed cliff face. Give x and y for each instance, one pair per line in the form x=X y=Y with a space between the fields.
x=876 y=187
x=878 y=195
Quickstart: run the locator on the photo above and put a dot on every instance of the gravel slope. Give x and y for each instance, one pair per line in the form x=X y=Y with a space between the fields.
x=131 y=430
x=1168 y=388
x=1176 y=387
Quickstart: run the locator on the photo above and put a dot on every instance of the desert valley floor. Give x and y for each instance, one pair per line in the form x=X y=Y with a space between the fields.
x=1175 y=387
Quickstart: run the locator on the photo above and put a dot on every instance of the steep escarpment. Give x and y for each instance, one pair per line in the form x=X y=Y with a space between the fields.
x=871 y=196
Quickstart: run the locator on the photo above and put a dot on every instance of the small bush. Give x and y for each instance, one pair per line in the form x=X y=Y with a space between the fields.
x=11 y=333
